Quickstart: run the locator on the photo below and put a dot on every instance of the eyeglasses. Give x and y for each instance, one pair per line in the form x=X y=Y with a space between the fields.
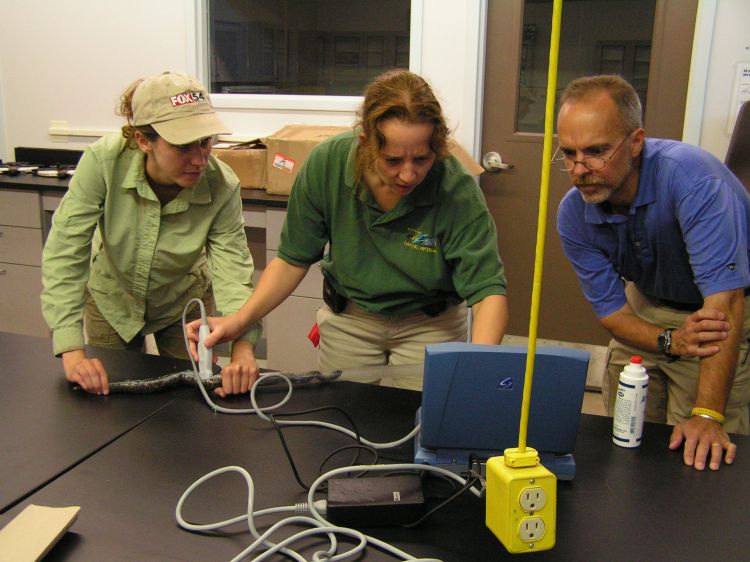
x=591 y=163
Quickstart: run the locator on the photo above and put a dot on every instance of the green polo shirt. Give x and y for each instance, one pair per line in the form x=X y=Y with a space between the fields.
x=146 y=260
x=438 y=243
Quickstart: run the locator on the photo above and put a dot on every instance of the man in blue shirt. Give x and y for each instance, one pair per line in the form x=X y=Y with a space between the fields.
x=657 y=232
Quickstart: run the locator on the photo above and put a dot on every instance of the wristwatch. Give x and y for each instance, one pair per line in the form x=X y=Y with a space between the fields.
x=665 y=344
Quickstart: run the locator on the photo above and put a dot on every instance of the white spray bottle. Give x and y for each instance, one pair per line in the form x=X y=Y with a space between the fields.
x=630 y=404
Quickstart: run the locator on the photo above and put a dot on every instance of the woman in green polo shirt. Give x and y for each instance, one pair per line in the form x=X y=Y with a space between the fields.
x=410 y=239
x=150 y=221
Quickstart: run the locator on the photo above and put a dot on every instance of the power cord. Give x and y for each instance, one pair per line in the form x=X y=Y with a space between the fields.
x=316 y=508
x=359 y=447
x=288 y=453
x=336 y=409
x=317 y=524
x=465 y=488
x=249 y=517
x=261 y=412
x=310 y=423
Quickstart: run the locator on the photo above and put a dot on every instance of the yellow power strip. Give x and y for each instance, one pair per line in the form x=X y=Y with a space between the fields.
x=521 y=505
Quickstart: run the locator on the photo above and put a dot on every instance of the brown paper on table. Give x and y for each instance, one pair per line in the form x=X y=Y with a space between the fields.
x=33 y=532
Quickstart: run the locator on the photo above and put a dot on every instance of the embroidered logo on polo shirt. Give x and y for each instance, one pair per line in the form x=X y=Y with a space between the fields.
x=732 y=266
x=186 y=97
x=420 y=241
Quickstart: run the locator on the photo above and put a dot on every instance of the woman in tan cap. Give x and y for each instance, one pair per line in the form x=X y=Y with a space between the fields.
x=150 y=221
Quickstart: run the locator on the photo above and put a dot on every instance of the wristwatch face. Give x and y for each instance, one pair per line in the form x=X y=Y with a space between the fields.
x=665 y=344
x=662 y=341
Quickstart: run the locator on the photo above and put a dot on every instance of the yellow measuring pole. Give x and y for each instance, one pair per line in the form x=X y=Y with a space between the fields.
x=518 y=474
x=549 y=118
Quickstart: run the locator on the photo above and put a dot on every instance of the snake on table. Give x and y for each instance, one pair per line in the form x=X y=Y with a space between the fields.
x=188 y=378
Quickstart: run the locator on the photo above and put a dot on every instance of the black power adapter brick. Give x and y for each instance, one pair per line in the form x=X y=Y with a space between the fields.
x=375 y=502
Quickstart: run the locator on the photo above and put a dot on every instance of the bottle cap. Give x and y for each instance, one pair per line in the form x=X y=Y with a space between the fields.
x=636 y=359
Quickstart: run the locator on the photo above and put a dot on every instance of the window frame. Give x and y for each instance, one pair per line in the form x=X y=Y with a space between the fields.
x=284 y=102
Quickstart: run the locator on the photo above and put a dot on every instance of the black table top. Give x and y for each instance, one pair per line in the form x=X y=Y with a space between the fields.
x=624 y=504
x=47 y=427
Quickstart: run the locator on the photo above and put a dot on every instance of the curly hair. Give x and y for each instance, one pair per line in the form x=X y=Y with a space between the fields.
x=405 y=96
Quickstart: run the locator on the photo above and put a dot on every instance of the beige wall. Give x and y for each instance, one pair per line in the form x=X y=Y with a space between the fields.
x=730 y=45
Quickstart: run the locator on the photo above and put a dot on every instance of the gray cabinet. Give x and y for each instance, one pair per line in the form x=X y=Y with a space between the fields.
x=21 y=241
x=288 y=347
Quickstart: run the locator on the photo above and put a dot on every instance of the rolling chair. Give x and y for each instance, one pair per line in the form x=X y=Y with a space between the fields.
x=738 y=153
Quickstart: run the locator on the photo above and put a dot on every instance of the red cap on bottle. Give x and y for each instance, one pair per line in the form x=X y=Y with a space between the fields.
x=636 y=359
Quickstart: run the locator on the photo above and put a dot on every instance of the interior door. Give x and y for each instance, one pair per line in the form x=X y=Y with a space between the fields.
x=647 y=41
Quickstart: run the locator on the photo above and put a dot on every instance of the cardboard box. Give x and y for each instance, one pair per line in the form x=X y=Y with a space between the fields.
x=247 y=159
x=471 y=165
x=287 y=149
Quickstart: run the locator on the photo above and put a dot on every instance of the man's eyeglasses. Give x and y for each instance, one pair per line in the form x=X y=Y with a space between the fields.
x=592 y=163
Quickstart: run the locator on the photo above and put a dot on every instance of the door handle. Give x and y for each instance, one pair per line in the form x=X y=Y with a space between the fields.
x=492 y=162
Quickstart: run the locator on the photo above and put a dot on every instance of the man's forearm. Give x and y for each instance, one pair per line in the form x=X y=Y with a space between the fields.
x=717 y=371
x=697 y=336
x=713 y=334
x=626 y=327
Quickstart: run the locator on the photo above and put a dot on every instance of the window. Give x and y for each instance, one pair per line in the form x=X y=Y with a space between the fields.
x=304 y=47
x=596 y=37
x=629 y=59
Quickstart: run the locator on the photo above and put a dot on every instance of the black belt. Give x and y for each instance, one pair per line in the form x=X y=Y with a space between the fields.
x=684 y=306
x=435 y=309
x=687 y=306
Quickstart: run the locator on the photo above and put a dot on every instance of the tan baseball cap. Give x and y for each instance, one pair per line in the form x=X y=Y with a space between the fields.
x=178 y=107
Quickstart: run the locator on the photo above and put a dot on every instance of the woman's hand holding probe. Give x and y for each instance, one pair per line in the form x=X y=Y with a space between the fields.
x=242 y=372
x=223 y=328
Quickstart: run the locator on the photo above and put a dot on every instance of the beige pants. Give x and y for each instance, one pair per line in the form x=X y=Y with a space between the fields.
x=672 y=387
x=170 y=341
x=380 y=349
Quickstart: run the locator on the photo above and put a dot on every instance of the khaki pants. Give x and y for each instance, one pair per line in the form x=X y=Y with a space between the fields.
x=672 y=387
x=170 y=341
x=362 y=343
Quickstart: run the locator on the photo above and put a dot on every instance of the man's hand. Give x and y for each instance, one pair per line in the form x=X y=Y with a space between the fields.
x=87 y=373
x=703 y=439
x=701 y=329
